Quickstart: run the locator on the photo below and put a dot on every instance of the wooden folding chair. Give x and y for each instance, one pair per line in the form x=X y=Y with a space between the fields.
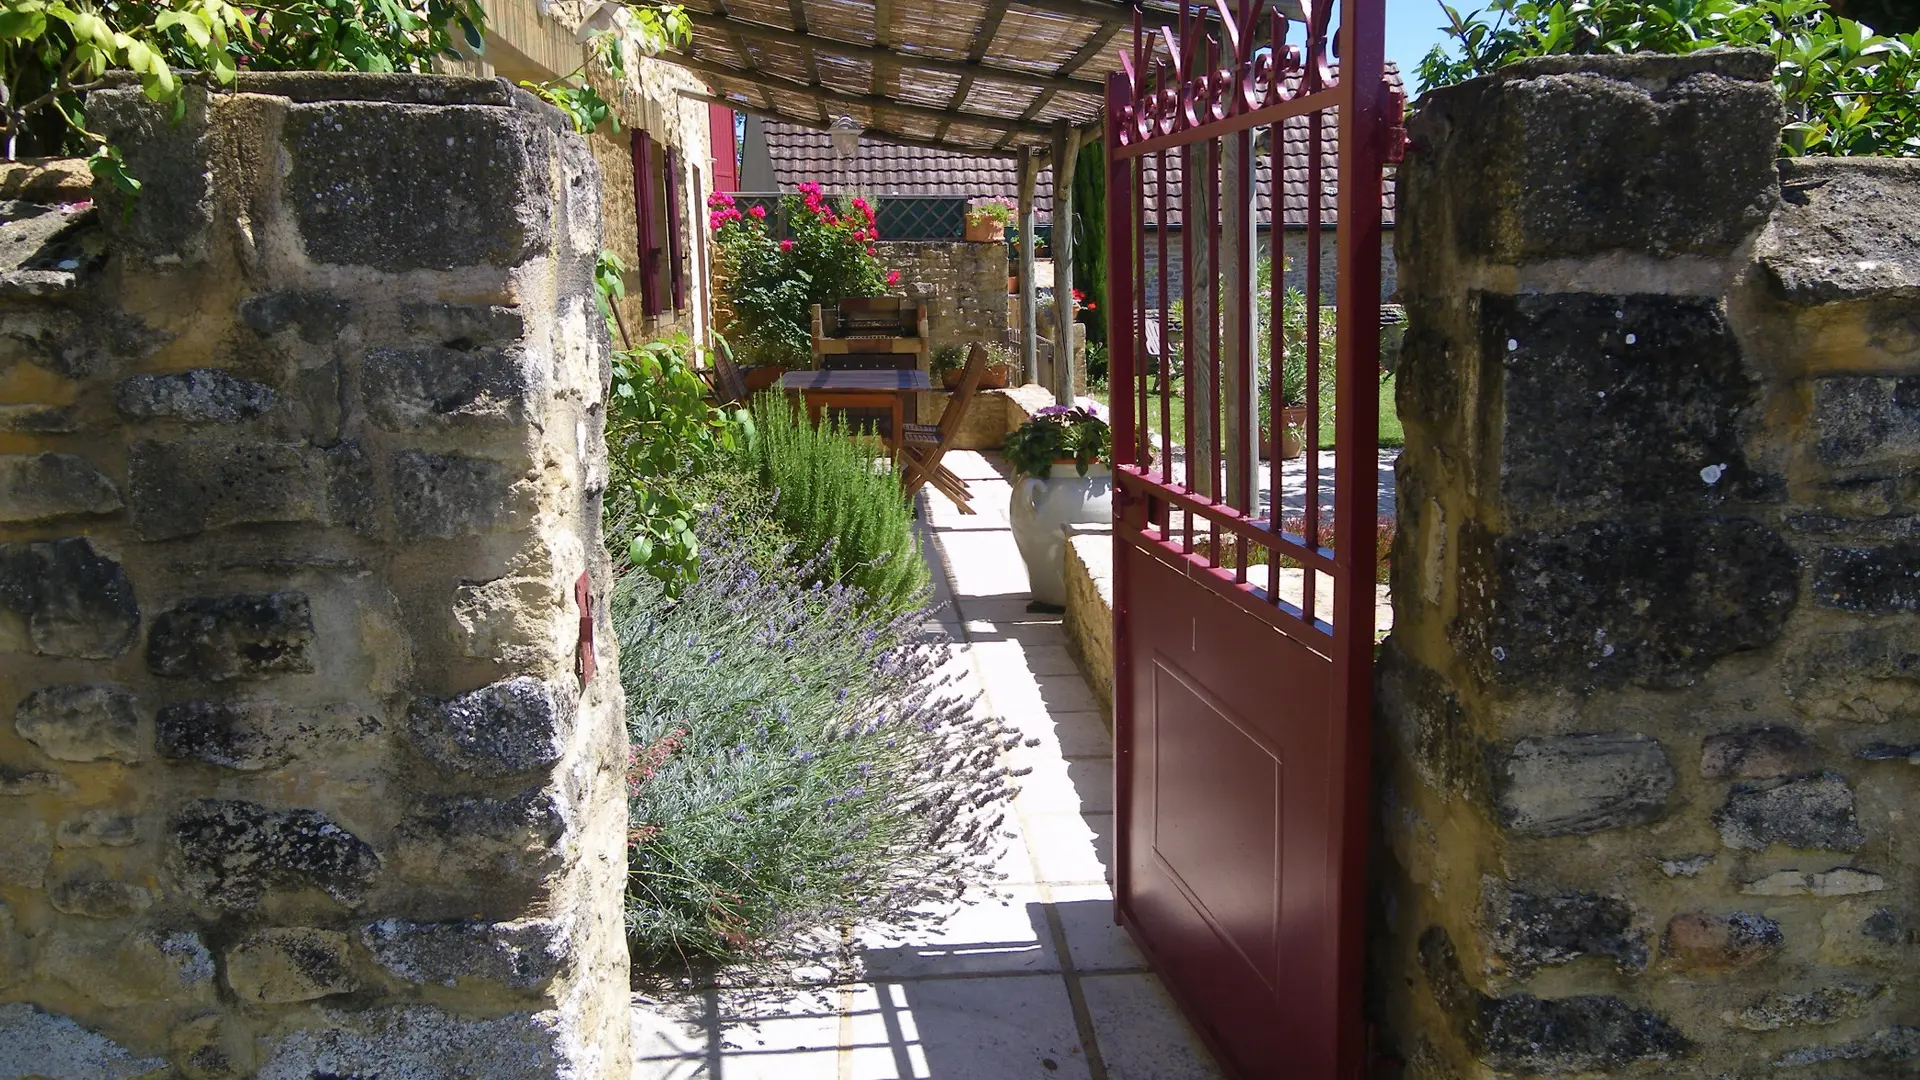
x=729 y=386
x=922 y=445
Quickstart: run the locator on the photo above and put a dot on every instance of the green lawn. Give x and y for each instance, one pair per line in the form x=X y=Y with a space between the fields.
x=1391 y=433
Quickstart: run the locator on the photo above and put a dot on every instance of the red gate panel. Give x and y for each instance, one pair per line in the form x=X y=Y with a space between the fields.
x=1242 y=715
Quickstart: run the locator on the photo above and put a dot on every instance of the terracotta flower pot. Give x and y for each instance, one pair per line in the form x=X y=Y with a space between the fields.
x=983 y=232
x=1293 y=423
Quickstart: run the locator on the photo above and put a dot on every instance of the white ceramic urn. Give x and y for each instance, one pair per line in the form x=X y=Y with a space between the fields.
x=1041 y=505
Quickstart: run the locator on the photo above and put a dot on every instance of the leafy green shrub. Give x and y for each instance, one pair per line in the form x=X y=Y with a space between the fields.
x=772 y=283
x=797 y=762
x=661 y=435
x=1848 y=90
x=1059 y=433
x=834 y=501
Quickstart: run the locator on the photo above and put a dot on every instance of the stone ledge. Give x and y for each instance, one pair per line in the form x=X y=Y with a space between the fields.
x=1089 y=622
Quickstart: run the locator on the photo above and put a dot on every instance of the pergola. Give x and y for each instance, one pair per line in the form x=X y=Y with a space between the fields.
x=1020 y=78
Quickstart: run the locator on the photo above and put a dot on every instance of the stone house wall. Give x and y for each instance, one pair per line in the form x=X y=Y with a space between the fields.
x=300 y=470
x=1648 y=714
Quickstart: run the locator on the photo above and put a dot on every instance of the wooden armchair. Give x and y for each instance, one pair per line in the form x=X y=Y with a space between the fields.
x=872 y=333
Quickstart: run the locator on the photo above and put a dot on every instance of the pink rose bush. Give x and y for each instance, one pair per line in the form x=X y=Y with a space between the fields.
x=772 y=283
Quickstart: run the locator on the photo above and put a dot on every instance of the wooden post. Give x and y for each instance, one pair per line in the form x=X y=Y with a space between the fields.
x=1239 y=250
x=1029 y=343
x=1066 y=149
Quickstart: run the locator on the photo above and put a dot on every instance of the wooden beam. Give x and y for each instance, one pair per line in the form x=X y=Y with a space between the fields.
x=1096 y=41
x=1029 y=339
x=824 y=96
x=889 y=55
x=1066 y=150
x=797 y=10
x=883 y=43
x=880 y=134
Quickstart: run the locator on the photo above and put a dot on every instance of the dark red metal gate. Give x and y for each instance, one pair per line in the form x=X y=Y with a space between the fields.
x=1241 y=715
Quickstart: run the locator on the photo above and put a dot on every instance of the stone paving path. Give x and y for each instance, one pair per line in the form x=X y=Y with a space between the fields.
x=1032 y=982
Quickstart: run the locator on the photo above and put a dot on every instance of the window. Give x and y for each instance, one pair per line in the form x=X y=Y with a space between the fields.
x=658 y=214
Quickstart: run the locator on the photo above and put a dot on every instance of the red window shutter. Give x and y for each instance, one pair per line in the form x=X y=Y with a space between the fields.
x=676 y=272
x=643 y=211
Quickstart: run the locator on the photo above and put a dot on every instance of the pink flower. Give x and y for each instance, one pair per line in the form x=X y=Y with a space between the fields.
x=869 y=250
x=759 y=213
x=860 y=205
x=893 y=277
x=786 y=245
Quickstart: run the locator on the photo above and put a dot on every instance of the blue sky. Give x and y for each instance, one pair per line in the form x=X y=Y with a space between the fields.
x=1412 y=29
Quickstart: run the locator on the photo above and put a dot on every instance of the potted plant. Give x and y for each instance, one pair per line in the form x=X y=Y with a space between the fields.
x=1061 y=478
x=987 y=220
x=949 y=362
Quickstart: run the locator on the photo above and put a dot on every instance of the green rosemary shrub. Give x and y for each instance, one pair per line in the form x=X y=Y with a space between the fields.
x=798 y=761
x=833 y=500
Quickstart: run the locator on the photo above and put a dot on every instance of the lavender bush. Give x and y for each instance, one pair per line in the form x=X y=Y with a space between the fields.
x=800 y=762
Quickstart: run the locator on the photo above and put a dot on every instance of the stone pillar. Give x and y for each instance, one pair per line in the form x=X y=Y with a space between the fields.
x=1648 y=708
x=300 y=463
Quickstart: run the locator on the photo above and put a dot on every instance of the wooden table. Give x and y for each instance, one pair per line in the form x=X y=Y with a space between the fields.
x=890 y=390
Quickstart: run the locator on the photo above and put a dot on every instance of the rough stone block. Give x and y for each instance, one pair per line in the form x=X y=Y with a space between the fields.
x=1619 y=601
x=231 y=853
x=138 y=968
x=254 y=735
x=435 y=388
x=512 y=620
x=46 y=487
x=26 y=848
x=61 y=598
x=33 y=782
x=36 y=1044
x=1559 y=157
x=1839 y=881
x=318 y=317
x=1877 y=580
x=188 y=486
x=99 y=899
x=74 y=722
x=522 y=955
x=1593 y=1033
x=1699 y=941
x=1815 y=1008
x=200 y=396
x=1756 y=754
x=1867 y=676
x=463 y=326
x=511 y=844
x=1532 y=930
x=351 y=502
x=442 y=497
x=1810 y=813
x=98 y=828
x=1614 y=402
x=423 y=1041
x=1891 y=1047
x=286 y=964
x=1568 y=784
x=509 y=727
x=1841 y=232
x=1867 y=420
x=221 y=638
x=403 y=187
x=37 y=419
x=1865 y=933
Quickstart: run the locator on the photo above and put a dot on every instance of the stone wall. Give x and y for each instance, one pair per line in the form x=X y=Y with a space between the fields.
x=966 y=284
x=1648 y=712
x=300 y=464
x=1088 y=574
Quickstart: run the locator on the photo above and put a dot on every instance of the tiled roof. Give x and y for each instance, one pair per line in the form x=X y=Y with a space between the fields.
x=806 y=154
x=800 y=155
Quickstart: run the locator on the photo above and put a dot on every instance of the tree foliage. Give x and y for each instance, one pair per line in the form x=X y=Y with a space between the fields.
x=1848 y=89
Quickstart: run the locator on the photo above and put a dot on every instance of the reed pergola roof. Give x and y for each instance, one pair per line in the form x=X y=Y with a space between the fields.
x=981 y=76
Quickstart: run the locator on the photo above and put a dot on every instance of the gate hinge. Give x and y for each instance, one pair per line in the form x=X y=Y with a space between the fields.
x=1393 y=149
x=583 y=664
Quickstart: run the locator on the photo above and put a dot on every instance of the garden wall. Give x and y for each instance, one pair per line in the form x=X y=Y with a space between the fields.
x=1649 y=712
x=300 y=476
x=965 y=283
